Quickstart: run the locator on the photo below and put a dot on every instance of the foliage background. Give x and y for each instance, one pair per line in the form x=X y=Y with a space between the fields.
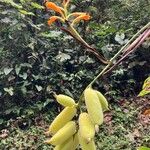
x=37 y=59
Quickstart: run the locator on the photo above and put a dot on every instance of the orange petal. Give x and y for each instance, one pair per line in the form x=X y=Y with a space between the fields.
x=76 y=14
x=81 y=17
x=53 y=6
x=85 y=17
x=146 y=112
x=51 y=20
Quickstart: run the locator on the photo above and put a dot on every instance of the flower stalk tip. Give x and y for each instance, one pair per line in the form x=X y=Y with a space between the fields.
x=65 y=3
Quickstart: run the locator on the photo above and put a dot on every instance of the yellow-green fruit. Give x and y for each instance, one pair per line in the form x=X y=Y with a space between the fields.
x=65 y=100
x=75 y=142
x=96 y=128
x=86 y=145
x=86 y=127
x=93 y=105
x=65 y=116
x=67 y=145
x=63 y=134
x=56 y=147
x=103 y=101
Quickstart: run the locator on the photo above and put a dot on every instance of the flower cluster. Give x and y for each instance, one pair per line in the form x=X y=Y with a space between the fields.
x=70 y=19
x=63 y=14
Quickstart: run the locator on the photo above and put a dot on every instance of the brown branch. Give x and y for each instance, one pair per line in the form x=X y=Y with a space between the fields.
x=89 y=48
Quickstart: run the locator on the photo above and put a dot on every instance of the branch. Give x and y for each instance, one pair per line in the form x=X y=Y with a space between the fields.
x=71 y=31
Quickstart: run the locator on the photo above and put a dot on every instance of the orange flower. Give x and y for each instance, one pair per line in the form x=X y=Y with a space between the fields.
x=84 y=16
x=53 y=19
x=53 y=6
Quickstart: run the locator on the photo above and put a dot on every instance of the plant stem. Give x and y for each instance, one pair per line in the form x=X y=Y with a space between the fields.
x=77 y=36
x=118 y=53
x=112 y=59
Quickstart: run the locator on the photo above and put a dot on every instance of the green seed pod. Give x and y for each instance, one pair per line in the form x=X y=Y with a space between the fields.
x=86 y=145
x=65 y=116
x=56 y=147
x=75 y=142
x=86 y=127
x=103 y=101
x=65 y=100
x=63 y=134
x=94 y=107
x=66 y=145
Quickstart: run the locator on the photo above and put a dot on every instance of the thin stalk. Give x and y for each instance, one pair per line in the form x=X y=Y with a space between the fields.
x=118 y=53
x=111 y=61
x=65 y=11
x=77 y=36
x=128 y=51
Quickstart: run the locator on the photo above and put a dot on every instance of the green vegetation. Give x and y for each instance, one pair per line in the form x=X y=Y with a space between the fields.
x=37 y=60
x=124 y=128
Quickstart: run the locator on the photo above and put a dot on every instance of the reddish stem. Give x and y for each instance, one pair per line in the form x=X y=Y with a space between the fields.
x=134 y=46
x=89 y=48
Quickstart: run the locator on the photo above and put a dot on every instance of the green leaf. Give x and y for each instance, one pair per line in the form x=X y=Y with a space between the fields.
x=40 y=106
x=24 y=76
x=7 y=70
x=51 y=34
x=47 y=102
x=24 y=89
x=146 y=82
x=36 y=5
x=1 y=121
x=17 y=69
x=143 y=93
x=6 y=20
x=15 y=110
x=145 y=88
x=143 y=148
x=63 y=57
x=39 y=88
x=8 y=111
x=9 y=91
x=29 y=112
x=26 y=65
x=26 y=12
x=16 y=5
x=120 y=38
x=12 y=3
